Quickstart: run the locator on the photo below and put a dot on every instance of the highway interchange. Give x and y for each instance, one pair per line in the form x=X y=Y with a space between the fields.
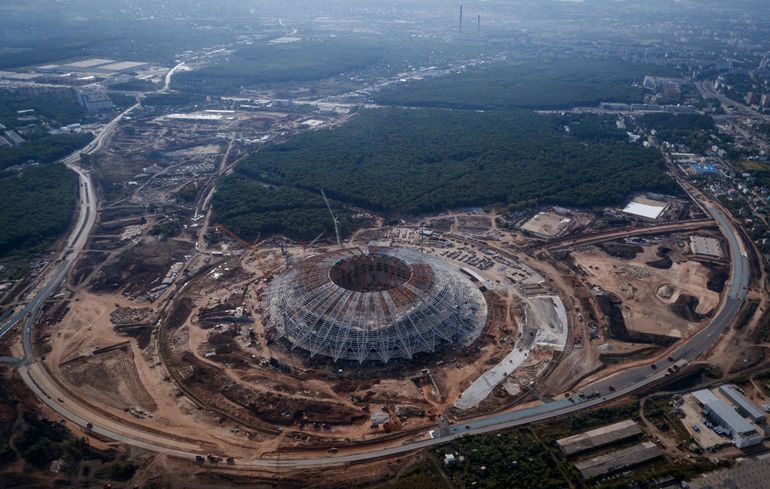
x=627 y=381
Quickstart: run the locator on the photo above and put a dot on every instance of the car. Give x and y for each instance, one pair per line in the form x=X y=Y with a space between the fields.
x=653 y=366
x=612 y=388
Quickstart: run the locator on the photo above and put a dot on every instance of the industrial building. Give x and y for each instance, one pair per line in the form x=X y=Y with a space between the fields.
x=93 y=65
x=653 y=82
x=646 y=208
x=599 y=437
x=93 y=101
x=750 y=474
x=13 y=137
x=378 y=304
x=618 y=460
x=744 y=433
x=701 y=245
x=701 y=169
x=745 y=406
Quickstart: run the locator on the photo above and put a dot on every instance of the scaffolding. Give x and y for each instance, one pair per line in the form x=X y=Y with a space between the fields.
x=374 y=304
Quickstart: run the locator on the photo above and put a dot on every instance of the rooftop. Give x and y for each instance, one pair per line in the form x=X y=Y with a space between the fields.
x=729 y=416
x=701 y=245
x=751 y=409
x=648 y=208
x=599 y=437
x=751 y=474
x=618 y=460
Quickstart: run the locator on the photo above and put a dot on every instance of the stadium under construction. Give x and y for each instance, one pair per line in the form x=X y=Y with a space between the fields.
x=374 y=304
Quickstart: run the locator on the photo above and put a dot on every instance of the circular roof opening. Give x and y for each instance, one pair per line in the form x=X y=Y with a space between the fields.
x=370 y=273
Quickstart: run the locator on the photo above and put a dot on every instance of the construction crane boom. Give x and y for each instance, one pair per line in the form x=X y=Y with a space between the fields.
x=334 y=219
x=317 y=238
x=266 y=272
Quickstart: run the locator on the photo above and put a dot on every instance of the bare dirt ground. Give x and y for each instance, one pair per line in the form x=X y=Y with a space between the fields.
x=254 y=396
x=110 y=377
x=647 y=292
x=570 y=370
x=321 y=381
x=112 y=383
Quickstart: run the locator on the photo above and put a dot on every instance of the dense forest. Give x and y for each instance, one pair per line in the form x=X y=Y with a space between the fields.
x=407 y=161
x=61 y=109
x=282 y=62
x=667 y=122
x=36 y=206
x=591 y=128
x=43 y=148
x=248 y=208
x=537 y=84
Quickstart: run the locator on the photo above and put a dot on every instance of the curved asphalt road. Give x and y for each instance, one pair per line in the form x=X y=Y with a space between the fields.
x=624 y=382
x=706 y=88
x=75 y=243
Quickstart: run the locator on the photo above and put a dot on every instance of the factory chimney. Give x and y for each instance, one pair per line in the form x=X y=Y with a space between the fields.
x=461 y=18
x=478 y=25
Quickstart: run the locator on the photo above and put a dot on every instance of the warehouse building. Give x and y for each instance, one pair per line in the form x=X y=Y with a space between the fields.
x=745 y=407
x=751 y=474
x=599 y=437
x=744 y=433
x=94 y=65
x=701 y=245
x=645 y=208
x=618 y=460
x=93 y=101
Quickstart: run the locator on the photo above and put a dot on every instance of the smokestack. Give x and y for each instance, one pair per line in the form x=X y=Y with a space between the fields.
x=461 y=18
x=478 y=25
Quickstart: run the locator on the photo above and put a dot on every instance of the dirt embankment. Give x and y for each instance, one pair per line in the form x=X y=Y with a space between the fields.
x=717 y=277
x=685 y=307
x=664 y=262
x=270 y=407
x=621 y=250
x=611 y=308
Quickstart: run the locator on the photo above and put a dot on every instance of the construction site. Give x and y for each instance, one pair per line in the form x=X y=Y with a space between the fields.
x=173 y=322
x=175 y=328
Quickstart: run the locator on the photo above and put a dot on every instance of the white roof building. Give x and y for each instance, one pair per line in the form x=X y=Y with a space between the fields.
x=649 y=209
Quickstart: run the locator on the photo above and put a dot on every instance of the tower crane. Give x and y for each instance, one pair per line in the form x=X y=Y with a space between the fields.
x=334 y=219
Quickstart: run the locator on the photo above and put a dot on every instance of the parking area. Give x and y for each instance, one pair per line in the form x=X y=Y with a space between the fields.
x=704 y=436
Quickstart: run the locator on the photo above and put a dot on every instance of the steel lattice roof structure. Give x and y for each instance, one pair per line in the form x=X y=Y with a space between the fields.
x=374 y=304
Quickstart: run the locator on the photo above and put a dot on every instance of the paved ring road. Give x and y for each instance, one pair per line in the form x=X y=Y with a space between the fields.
x=624 y=382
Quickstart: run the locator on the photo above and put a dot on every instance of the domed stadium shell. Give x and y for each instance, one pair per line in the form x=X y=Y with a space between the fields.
x=378 y=304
